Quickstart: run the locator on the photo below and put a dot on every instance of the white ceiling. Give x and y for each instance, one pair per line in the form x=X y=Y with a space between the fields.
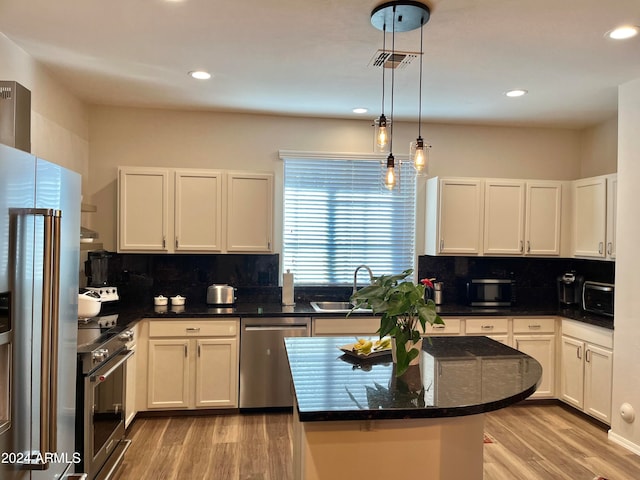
x=311 y=57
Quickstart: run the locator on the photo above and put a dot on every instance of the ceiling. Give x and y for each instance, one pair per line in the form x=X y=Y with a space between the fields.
x=311 y=57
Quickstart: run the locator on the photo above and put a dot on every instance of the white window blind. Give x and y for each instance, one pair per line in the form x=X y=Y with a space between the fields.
x=338 y=215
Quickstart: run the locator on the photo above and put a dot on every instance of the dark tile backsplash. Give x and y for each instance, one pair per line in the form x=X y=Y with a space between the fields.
x=536 y=278
x=140 y=277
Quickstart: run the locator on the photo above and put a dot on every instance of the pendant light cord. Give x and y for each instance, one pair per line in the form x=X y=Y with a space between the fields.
x=420 y=89
x=393 y=70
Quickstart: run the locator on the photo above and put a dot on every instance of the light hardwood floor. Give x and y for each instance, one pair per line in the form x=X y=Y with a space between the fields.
x=530 y=442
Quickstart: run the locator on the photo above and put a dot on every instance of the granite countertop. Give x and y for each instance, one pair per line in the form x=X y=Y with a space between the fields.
x=129 y=314
x=457 y=376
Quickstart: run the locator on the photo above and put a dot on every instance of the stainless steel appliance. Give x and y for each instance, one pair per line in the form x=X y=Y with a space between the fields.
x=221 y=294
x=265 y=380
x=101 y=394
x=598 y=297
x=39 y=264
x=96 y=268
x=491 y=292
x=570 y=288
x=15 y=115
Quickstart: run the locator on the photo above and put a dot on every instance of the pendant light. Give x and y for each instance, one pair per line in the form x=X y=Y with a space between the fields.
x=403 y=16
x=382 y=124
x=418 y=150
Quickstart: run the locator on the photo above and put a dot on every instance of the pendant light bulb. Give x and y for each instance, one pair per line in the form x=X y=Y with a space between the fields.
x=382 y=133
x=390 y=175
x=419 y=156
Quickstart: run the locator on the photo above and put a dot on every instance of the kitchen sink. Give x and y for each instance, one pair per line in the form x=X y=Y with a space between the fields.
x=336 y=307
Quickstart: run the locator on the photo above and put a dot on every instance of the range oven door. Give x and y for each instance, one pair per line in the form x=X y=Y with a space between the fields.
x=103 y=413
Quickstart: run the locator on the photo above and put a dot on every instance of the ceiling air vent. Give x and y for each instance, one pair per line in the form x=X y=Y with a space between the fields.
x=397 y=59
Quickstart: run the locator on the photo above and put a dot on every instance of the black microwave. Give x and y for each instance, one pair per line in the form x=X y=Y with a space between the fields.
x=598 y=298
x=491 y=292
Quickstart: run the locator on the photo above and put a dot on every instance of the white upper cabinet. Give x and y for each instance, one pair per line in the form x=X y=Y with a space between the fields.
x=454 y=216
x=191 y=210
x=594 y=212
x=522 y=217
x=143 y=209
x=542 y=218
x=198 y=210
x=504 y=208
x=249 y=212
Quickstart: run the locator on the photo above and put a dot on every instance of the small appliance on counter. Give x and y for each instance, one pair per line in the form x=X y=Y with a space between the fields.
x=598 y=297
x=221 y=294
x=96 y=269
x=491 y=292
x=570 y=288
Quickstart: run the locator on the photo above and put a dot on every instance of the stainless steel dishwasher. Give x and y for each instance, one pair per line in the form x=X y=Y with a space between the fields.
x=265 y=380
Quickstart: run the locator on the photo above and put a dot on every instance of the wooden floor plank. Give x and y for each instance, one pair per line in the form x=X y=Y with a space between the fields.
x=531 y=442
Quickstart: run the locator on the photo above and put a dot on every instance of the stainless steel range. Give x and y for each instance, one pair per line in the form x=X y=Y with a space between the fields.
x=100 y=431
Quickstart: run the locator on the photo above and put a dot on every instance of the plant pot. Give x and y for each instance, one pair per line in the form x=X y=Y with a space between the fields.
x=407 y=346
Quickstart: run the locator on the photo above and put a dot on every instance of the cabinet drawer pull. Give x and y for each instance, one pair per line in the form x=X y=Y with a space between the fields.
x=486 y=327
x=193 y=329
x=536 y=326
x=438 y=327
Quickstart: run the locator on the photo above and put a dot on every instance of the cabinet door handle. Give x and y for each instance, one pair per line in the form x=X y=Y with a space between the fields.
x=185 y=351
x=587 y=357
x=164 y=243
x=579 y=352
x=176 y=242
x=528 y=246
x=198 y=350
x=600 y=247
x=441 y=244
x=521 y=246
x=486 y=327
x=609 y=248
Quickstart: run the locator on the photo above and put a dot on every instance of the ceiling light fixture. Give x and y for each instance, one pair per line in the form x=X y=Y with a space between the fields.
x=360 y=110
x=400 y=16
x=518 y=92
x=417 y=148
x=624 y=32
x=200 y=75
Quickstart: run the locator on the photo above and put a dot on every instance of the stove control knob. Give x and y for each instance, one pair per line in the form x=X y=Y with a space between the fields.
x=100 y=355
x=126 y=336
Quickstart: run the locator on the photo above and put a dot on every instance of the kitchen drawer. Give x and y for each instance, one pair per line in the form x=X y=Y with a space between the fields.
x=190 y=327
x=451 y=327
x=534 y=325
x=487 y=326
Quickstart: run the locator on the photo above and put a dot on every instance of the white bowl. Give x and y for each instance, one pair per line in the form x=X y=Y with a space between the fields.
x=88 y=305
x=178 y=300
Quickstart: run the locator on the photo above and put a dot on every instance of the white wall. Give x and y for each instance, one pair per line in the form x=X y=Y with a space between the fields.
x=626 y=354
x=59 y=120
x=148 y=137
x=599 y=149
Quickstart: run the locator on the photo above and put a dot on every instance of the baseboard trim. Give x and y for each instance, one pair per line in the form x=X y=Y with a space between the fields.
x=632 y=447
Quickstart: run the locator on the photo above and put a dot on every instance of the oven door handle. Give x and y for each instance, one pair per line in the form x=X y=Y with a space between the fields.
x=103 y=376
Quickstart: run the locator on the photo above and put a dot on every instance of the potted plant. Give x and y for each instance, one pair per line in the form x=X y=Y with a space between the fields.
x=403 y=308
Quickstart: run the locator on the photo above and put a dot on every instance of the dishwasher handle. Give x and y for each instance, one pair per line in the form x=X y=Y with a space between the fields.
x=258 y=328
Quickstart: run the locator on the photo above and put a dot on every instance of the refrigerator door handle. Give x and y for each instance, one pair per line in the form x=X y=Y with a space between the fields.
x=50 y=324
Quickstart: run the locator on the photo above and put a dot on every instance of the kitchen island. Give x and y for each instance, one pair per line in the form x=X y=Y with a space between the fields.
x=354 y=419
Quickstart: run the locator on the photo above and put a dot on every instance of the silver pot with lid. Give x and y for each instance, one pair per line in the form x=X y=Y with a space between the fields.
x=221 y=294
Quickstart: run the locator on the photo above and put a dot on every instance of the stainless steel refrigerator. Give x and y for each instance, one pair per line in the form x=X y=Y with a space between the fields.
x=39 y=257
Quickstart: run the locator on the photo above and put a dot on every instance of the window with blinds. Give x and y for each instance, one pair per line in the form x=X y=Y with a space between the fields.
x=338 y=215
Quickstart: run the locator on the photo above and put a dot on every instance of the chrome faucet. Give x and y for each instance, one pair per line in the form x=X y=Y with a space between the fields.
x=355 y=276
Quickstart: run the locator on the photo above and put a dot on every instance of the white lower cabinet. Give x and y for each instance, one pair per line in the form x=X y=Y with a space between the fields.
x=192 y=364
x=586 y=368
x=536 y=337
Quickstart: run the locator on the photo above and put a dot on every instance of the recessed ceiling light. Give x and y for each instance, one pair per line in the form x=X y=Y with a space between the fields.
x=200 y=74
x=518 y=92
x=360 y=110
x=623 y=32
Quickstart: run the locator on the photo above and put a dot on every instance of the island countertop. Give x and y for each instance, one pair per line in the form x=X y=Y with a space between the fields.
x=457 y=376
